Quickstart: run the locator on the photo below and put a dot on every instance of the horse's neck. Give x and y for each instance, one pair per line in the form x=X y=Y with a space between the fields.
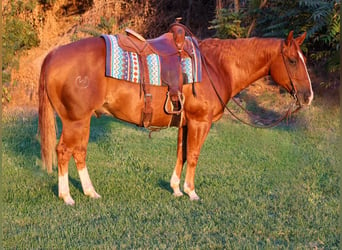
x=242 y=61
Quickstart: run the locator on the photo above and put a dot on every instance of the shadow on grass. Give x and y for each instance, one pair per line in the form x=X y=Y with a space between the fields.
x=20 y=137
x=100 y=127
x=21 y=141
x=165 y=185
x=257 y=114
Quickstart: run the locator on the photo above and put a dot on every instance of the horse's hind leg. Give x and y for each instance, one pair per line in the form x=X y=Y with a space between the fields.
x=63 y=155
x=181 y=159
x=73 y=142
x=79 y=154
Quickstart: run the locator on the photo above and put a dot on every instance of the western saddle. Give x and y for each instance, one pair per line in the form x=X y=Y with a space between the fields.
x=171 y=48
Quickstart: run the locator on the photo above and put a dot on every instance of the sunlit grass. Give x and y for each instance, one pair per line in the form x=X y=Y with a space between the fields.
x=275 y=188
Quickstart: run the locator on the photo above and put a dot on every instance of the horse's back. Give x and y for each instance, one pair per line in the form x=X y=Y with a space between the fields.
x=75 y=77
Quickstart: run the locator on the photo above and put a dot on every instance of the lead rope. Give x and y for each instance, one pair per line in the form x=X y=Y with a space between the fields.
x=273 y=124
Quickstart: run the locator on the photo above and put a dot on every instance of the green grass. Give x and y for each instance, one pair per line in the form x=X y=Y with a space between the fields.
x=268 y=189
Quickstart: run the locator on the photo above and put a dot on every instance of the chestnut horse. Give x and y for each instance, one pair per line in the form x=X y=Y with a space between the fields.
x=73 y=84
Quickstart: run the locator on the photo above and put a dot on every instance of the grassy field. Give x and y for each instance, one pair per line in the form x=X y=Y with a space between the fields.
x=260 y=189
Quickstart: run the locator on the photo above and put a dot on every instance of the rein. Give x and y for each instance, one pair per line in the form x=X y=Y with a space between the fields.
x=272 y=123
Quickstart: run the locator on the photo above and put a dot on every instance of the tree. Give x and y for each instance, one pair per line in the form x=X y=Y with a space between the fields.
x=237 y=19
x=275 y=18
x=319 y=18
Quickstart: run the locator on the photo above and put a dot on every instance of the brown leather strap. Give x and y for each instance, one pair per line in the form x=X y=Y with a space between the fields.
x=176 y=120
x=146 y=86
x=147 y=111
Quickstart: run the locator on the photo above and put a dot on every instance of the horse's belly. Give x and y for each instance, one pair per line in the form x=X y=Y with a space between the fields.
x=135 y=116
x=126 y=102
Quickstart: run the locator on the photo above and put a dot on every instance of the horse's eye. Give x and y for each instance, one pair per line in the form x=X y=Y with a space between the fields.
x=292 y=61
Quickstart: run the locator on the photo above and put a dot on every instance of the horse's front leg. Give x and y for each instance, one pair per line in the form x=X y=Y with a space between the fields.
x=181 y=159
x=197 y=133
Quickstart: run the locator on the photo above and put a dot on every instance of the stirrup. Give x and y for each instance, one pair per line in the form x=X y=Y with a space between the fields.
x=181 y=99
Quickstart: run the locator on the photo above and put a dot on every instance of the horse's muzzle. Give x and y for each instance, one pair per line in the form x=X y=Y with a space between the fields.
x=304 y=99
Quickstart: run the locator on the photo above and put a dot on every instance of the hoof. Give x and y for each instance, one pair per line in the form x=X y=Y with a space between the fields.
x=177 y=193
x=67 y=199
x=193 y=196
x=92 y=194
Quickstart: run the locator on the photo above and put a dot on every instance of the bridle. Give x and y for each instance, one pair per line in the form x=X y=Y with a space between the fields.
x=291 y=110
x=293 y=91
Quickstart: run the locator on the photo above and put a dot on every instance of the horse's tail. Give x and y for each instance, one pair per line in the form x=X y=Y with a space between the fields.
x=46 y=123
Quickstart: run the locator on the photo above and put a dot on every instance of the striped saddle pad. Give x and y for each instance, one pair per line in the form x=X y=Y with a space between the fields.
x=125 y=65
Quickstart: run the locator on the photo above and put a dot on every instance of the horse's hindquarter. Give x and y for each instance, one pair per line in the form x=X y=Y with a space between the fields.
x=75 y=78
x=77 y=86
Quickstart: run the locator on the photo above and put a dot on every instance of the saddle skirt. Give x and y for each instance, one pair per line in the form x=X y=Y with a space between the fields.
x=124 y=61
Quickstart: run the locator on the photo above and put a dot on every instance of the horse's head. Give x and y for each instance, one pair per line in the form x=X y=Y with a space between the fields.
x=289 y=70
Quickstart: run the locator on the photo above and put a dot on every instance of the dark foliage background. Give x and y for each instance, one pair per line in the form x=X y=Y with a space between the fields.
x=273 y=18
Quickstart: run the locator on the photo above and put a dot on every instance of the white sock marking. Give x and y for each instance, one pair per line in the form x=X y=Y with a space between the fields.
x=192 y=194
x=63 y=184
x=174 y=183
x=87 y=186
x=63 y=189
x=174 y=179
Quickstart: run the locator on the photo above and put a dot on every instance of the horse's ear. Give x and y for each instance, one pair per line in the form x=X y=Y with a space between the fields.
x=289 y=38
x=301 y=38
